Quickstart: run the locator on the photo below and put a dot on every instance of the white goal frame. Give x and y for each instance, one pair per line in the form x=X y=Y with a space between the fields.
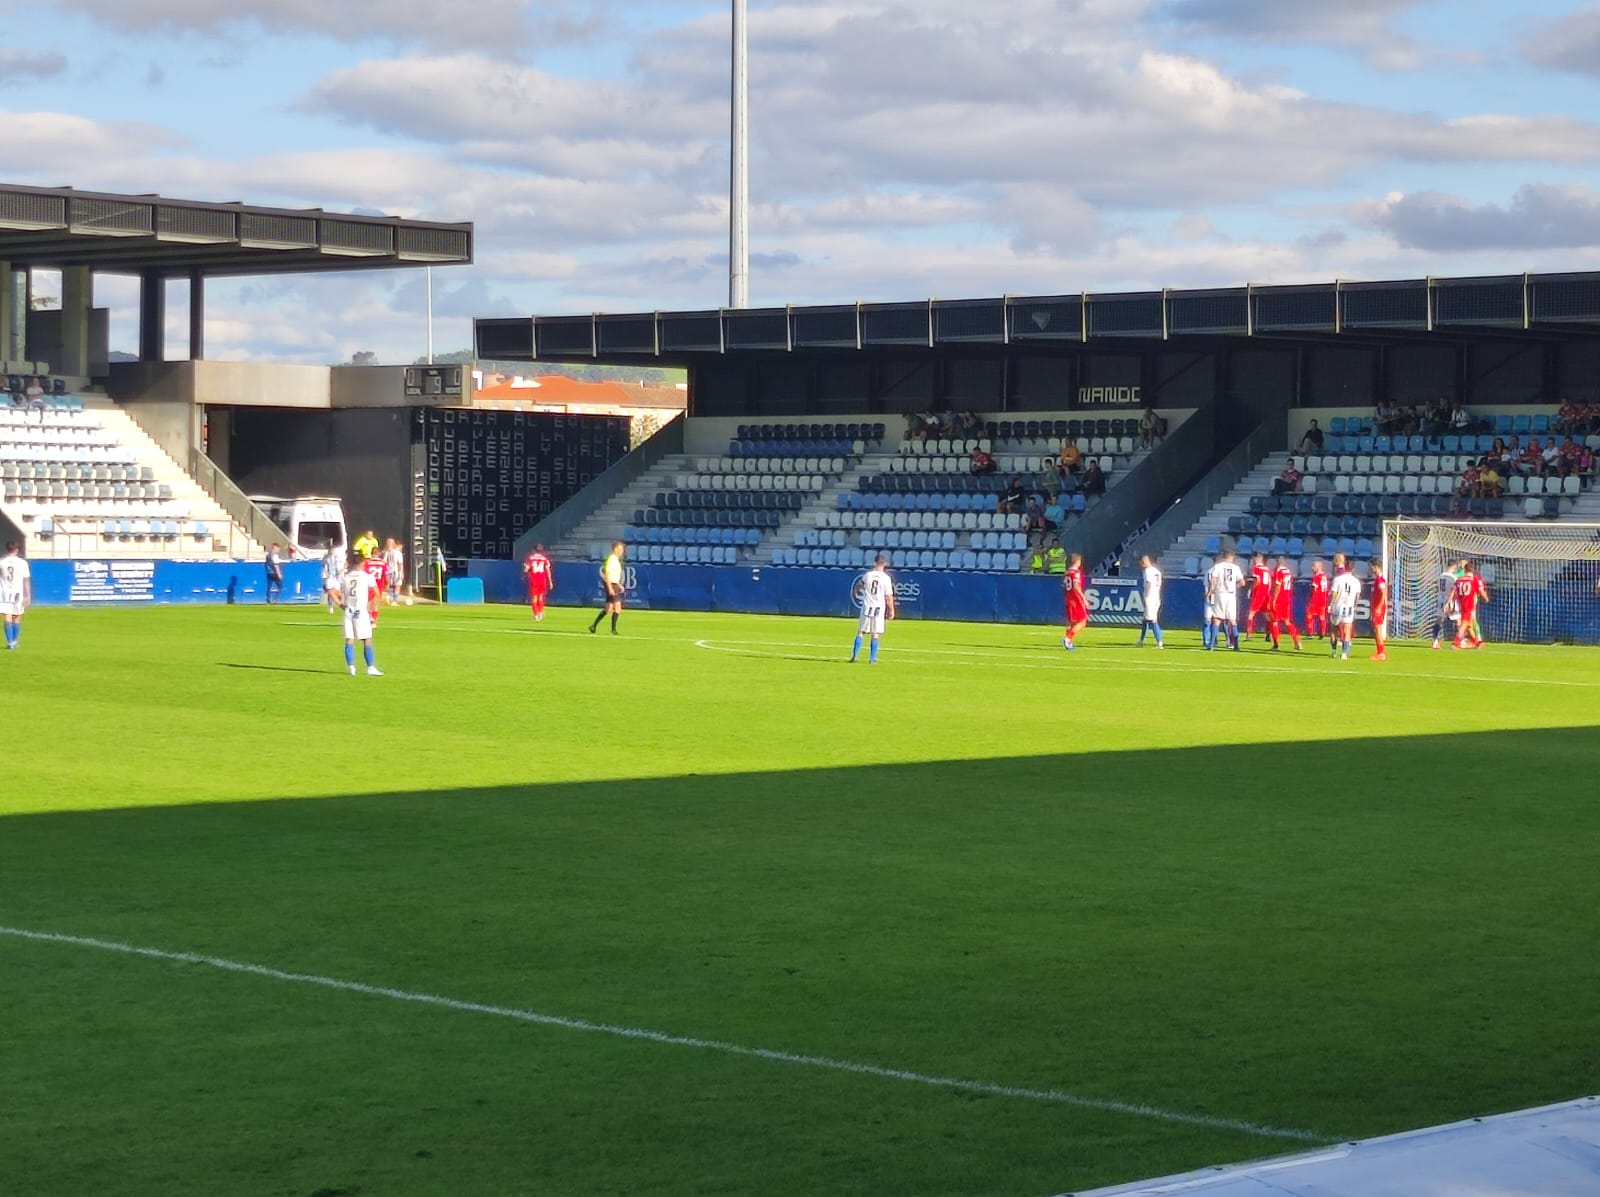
x=1543 y=577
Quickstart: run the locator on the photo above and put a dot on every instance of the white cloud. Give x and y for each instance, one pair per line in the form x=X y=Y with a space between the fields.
x=1366 y=26
x=427 y=22
x=1570 y=43
x=1538 y=216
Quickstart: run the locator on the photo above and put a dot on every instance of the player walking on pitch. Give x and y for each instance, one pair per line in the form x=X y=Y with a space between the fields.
x=1447 y=600
x=1260 y=582
x=1076 y=602
x=1470 y=591
x=611 y=582
x=16 y=591
x=1281 y=606
x=1380 y=611
x=541 y=579
x=1223 y=584
x=1317 y=602
x=1343 y=595
x=360 y=593
x=333 y=567
x=1150 y=576
x=877 y=606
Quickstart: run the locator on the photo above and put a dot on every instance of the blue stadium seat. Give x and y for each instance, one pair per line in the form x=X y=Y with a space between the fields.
x=1336 y=426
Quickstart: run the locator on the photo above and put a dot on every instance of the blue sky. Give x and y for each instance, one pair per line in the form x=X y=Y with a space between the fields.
x=900 y=149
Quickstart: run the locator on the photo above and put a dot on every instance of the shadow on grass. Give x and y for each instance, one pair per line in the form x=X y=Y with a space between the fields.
x=1352 y=936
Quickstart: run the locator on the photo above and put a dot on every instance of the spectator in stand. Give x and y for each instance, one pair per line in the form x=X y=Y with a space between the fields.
x=1567 y=462
x=1149 y=428
x=1311 y=442
x=1034 y=515
x=981 y=464
x=1287 y=482
x=33 y=389
x=1094 y=479
x=1011 y=499
x=1437 y=421
x=1490 y=484
x=970 y=424
x=1384 y=417
x=1054 y=514
x=1460 y=419
x=1568 y=419
x=1551 y=457
x=1070 y=457
x=1585 y=460
x=1055 y=557
x=1500 y=455
x=1467 y=488
x=1531 y=460
x=1050 y=477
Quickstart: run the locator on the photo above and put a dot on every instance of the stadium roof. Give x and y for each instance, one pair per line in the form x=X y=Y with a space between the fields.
x=1522 y=306
x=56 y=227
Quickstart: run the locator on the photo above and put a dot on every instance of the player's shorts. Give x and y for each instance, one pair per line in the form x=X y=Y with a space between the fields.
x=1344 y=613
x=357 y=625
x=872 y=622
x=1226 y=610
x=1152 y=610
x=1283 y=613
x=1077 y=609
x=1465 y=612
x=13 y=609
x=1380 y=614
x=538 y=591
x=1260 y=606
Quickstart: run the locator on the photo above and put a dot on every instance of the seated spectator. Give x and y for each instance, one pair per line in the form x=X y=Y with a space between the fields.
x=1499 y=454
x=1437 y=420
x=1036 y=560
x=1490 y=484
x=1070 y=457
x=1094 y=481
x=1531 y=460
x=1054 y=514
x=1551 y=456
x=1287 y=482
x=1383 y=416
x=1050 y=477
x=1467 y=488
x=1567 y=458
x=1568 y=418
x=1585 y=460
x=1311 y=442
x=981 y=463
x=33 y=390
x=969 y=425
x=1036 y=521
x=1010 y=501
x=1149 y=428
x=1460 y=419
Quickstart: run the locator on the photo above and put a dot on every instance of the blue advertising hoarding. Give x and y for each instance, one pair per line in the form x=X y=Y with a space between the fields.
x=98 y=581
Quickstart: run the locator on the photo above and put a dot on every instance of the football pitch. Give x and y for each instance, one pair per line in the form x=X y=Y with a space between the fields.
x=701 y=908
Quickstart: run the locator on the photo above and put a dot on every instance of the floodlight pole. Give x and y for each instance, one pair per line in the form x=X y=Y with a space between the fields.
x=739 y=180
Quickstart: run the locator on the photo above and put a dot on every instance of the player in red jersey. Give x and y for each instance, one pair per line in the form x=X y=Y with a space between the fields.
x=374 y=566
x=1380 y=610
x=1317 y=603
x=1469 y=592
x=541 y=579
x=1077 y=602
x=1260 y=594
x=1282 y=605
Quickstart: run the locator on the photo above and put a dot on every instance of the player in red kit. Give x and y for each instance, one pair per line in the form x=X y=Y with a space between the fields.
x=1260 y=594
x=1380 y=611
x=1317 y=603
x=541 y=579
x=1077 y=602
x=374 y=566
x=1282 y=604
x=1469 y=592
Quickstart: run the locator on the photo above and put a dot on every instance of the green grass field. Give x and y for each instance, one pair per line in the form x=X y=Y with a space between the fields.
x=1153 y=910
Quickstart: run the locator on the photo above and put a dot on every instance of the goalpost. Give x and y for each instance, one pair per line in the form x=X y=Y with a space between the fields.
x=1543 y=579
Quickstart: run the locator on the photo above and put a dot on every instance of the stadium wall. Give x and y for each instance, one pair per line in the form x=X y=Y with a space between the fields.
x=93 y=583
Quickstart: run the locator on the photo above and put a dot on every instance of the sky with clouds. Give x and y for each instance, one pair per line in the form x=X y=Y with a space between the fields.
x=900 y=148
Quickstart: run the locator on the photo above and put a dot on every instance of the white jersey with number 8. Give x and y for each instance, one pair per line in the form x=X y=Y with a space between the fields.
x=876 y=590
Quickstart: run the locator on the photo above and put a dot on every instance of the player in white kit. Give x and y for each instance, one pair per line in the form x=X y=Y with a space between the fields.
x=1342 y=598
x=360 y=594
x=877 y=607
x=16 y=591
x=1222 y=595
x=1150 y=588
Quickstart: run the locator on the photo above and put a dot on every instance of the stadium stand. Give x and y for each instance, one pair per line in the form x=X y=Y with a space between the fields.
x=1362 y=478
x=835 y=495
x=80 y=479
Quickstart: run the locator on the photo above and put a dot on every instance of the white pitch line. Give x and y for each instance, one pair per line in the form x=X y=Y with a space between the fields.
x=1053 y=1096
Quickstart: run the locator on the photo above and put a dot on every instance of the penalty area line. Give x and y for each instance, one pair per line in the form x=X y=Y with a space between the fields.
x=645 y=1034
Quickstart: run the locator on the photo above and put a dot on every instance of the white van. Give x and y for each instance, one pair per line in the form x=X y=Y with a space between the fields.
x=312 y=523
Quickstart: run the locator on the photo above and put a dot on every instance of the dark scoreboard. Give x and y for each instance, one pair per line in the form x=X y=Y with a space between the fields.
x=481 y=478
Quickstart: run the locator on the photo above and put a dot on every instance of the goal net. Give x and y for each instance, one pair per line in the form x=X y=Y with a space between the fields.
x=1543 y=579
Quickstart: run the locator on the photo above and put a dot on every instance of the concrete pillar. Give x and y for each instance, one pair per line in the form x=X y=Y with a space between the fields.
x=197 y=316
x=17 y=290
x=8 y=300
x=152 y=317
x=77 y=297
